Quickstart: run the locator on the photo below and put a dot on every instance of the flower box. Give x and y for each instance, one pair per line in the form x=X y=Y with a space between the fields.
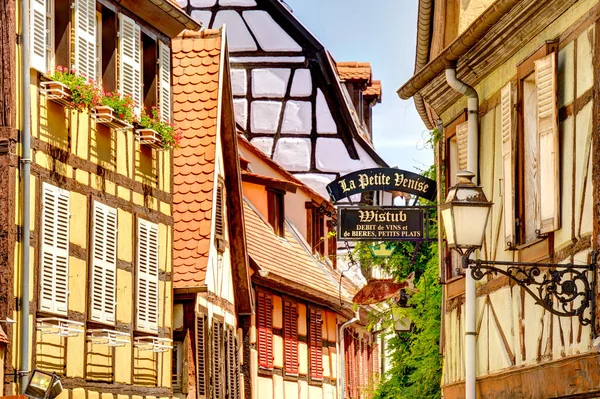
x=106 y=116
x=150 y=138
x=57 y=92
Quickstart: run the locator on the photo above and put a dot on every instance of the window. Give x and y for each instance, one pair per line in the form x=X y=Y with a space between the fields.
x=85 y=38
x=233 y=390
x=315 y=228
x=530 y=151
x=219 y=220
x=217 y=382
x=54 y=251
x=276 y=210
x=316 y=344
x=108 y=56
x=456 y=136
x=164 y=72
x=149 y=59
x=104 y=263
x=290 y=336
x=332 y=243
x=130 y=73
x=264 y=321
x=202 y=370
x=147 y=276
x=177 y=366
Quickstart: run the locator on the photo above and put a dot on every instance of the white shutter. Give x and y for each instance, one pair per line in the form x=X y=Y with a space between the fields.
x=38 y=34
x=508 y=165
x=462 y=134
x=548 y=143
x=54 y=254
x=85 y=38
x=164 y=74
x=130 y=74
x=147 y=276
x=104 y=263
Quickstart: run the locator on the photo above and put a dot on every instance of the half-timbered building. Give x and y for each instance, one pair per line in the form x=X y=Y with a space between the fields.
x=534 y=66
x=211 y=281
x=86 y=234
x=289 y=99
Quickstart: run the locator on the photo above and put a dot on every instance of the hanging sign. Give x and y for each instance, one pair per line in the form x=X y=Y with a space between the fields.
x=382 y=179
x=374 y=223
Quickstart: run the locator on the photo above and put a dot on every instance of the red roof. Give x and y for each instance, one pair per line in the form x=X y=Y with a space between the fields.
x=196 y=65
x=354 y=71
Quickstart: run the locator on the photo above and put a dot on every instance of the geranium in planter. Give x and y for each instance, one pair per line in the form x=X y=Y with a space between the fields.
x=70 y=89
x=156 y=133
x=115 y=111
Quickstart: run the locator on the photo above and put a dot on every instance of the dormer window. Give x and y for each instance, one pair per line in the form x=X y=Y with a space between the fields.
x=315 y=228
x=276 y=210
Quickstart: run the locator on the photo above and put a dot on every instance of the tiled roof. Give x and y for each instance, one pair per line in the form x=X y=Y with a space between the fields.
x=196 y=64
x=354 y=71
x=373 y=91
x=286 y=257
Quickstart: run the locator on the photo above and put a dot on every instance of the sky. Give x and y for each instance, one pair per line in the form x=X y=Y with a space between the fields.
x=383 y=34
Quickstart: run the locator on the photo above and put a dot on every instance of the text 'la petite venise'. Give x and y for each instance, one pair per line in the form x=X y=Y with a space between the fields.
x=381 y=179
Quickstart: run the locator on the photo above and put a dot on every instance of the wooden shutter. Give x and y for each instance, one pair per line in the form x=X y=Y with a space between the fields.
x=365 y=364
x=130 y=74
x=217 y=360
x=265 y=330
x=316 y=344
x=201 y=369
x=376 y=367
x=164 y=76
x=85 y=38
x=233 y=389
x=38 y=34
x=104 y=263
x=147 y=276
x=462 y=134
x=508 y=165
x=548 y=143
x=54 y=254
x=290 y=336
x=238 y=370
x=219 y=212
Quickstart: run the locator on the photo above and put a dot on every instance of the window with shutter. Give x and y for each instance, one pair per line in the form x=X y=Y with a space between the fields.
x=264 y=321
x=164 y=72
x=462 y=134
x=217 y=362
x=54 y=253
x=219 y=220
x=130 y=73
x=201 y=365
x=290 y=336
x=85 y=38
x=40 y=12
x=147 y=276
x=508 y=164
x=548 y=143
x=376 y=366
x=232 y=387
x=275 y=204
x=316 y=344
x=104 y=263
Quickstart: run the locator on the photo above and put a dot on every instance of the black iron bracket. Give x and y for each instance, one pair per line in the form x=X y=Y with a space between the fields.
x=563 y=289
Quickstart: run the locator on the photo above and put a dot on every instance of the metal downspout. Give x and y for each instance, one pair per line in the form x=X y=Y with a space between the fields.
x=341 y=369
x=26 y=176
x=470 y=288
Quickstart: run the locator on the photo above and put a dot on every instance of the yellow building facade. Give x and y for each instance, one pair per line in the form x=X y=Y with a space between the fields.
x=101 y=225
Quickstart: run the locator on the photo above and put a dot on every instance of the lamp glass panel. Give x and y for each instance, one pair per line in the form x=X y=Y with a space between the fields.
x=448 y=225
x=469 y=224
x=40 y=380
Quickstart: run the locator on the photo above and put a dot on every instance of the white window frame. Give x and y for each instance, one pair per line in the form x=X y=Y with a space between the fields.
x=147 y=281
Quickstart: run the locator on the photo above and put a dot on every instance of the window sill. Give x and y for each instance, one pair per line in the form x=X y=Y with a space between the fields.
x=455 y=287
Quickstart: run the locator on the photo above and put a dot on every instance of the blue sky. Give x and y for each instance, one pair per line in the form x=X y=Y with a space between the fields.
x=384 y=35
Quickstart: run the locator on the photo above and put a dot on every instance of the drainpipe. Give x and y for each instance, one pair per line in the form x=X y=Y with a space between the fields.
x=26 y=175
x=341 y=368
x=470 y=288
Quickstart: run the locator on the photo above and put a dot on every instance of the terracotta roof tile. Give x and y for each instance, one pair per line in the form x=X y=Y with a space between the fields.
x=354 y=71
x=286 y=256
x=196 y=64
x=373 y=91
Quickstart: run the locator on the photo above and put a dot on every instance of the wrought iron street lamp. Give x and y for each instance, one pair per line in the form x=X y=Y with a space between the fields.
x=562 y=289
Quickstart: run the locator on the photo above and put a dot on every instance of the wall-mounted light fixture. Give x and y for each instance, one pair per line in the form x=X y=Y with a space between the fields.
x=43 y=385
x=563 y=289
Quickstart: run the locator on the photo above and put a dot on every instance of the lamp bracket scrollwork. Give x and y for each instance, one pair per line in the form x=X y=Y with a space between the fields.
x=563 y=289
